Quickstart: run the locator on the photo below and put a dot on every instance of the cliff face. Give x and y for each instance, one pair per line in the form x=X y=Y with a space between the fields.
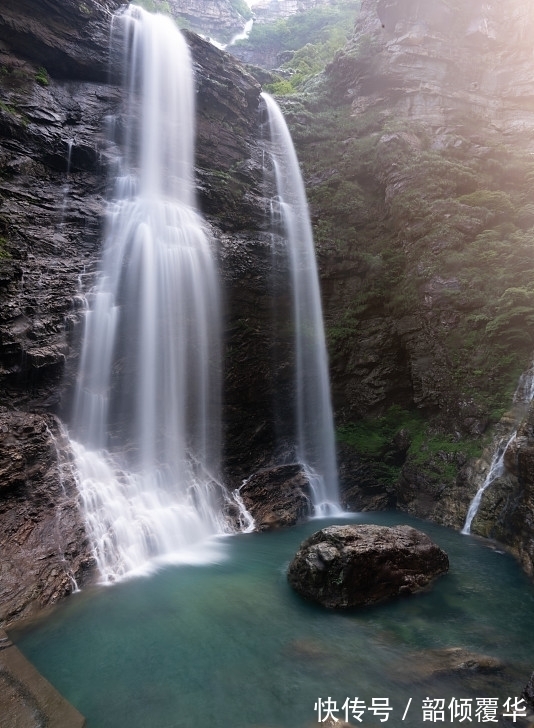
x=269 y=11
x=440 y=61
x=417 y=146
x=217 y=18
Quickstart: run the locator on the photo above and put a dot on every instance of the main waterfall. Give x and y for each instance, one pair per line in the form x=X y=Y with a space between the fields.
x=147 y=406
x=314 y=442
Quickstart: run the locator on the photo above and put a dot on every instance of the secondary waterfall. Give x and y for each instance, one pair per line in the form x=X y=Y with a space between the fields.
x=147 y=406
x=524 y=394
x=314 y=431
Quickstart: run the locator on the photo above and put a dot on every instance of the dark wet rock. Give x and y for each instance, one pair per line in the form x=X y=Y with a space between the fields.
x=348 y=566
x=70 y=39
x=228 y=155
x=479 y=673
x=507 y=507
x=43 y=542
x=277 y=497
x=360 y=488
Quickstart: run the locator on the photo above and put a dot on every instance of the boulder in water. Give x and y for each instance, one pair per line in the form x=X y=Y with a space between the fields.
x=349 y=566
x=277 y=497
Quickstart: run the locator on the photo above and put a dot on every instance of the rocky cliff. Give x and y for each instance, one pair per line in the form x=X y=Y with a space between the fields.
x=219 y=19
x=268 y=11
x=417 y=146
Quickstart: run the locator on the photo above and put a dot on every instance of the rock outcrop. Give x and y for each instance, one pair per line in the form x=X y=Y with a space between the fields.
x=45 y=553
x=219 y=19
x=507 y=508
x=528 y=692
x=429 y=664
x=269 y=11
x=277 y=497
x=68 y=39
x=349 y=566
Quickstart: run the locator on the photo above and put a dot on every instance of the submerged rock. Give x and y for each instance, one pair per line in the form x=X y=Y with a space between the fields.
x=277 y=497
x=428 y=664
x=348 y=566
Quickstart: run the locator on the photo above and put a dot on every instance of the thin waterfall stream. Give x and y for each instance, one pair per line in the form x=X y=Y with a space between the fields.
x=313 y=435
x=524 y=394
x=146 y=422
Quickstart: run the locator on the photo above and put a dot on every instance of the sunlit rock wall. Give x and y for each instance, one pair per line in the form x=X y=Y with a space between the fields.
x=438 y=61
x=215 y=18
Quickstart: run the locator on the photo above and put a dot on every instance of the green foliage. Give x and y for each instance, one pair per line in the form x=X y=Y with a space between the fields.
x=42 y=76
x=8 y=109
x=438 y=239
x=496 y=201
x=374 y=441
x=314 y=37
x=4 y=252
x=283 y=87
x=373 y=438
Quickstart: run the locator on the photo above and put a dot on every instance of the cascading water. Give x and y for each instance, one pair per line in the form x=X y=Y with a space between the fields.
x=495 y=471
x=524 y=394
x=147 y=412
x=314 y=431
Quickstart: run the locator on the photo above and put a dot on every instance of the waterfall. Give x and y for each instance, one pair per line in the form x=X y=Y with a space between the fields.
x=146 y=416
x=524 y=394
x=313 y=435
x=495 y=471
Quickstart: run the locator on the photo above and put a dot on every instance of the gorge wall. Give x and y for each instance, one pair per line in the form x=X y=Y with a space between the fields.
x=221 y=19
x=417 y=145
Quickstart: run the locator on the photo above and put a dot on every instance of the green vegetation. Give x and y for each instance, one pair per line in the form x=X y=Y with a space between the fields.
x=14 y=112
x=42 y=77
x=386 y=442
x=4 y=252
x=311 y=39
x=439 y=235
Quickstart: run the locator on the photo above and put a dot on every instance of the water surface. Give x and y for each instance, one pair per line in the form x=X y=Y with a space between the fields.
x=230 y=644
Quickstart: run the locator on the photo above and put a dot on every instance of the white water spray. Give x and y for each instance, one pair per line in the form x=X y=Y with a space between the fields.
x=314 y=436
x=147 y=411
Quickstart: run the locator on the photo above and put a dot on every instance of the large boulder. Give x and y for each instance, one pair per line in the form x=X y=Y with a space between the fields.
x=349 y=566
